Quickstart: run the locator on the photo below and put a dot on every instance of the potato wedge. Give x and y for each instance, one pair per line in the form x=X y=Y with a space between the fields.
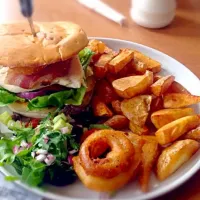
x=116 y=105
x=121 y=60
x=99 y=71
x=126 y=71
x=90 y=82
x=100 y=109
x=150 y=153
x=174 y=156
x=100 y=67
x=149 y=138
x=165 y=116
x=117 y=122
x=177 y=88
x=96 y=46
x=161 y=86
x=133 y=85
x=156 y=77
x=105 y=91
x=176 y=100
x=156 y=104
x=193 y=134
x=137 y=129
x=137 y=141
x=152 y=65
x=139 y=67
x=137 y=109
x=170 y=132
x=104 y=59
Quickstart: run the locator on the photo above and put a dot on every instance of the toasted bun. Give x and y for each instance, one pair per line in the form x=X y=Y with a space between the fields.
x=55 y=41
x=21 y=108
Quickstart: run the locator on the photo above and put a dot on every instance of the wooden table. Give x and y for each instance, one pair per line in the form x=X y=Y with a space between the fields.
x=180 y=40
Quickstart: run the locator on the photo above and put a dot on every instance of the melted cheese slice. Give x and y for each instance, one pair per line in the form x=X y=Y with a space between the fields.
x=74 y=79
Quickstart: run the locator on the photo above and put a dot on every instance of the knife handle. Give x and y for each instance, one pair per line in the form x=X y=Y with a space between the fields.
x=26 y=7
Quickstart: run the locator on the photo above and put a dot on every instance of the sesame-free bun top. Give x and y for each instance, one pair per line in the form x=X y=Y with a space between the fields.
x=54 y=42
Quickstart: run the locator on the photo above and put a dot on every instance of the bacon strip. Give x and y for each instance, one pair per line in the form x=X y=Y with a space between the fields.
x=44 y=77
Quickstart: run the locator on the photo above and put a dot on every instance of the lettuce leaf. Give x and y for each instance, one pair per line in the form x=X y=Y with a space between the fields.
x=85 y=56
x=7 y=97
x=58 y=99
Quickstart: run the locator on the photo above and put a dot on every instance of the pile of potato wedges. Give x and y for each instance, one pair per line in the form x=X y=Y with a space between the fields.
x=152 y=109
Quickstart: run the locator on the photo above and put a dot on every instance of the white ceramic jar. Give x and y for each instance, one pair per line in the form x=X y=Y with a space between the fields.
x=153 y=13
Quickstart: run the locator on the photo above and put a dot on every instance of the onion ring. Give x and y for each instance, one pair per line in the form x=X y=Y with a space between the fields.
x=112 y=171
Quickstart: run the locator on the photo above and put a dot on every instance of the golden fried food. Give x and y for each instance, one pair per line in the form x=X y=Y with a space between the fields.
x=160 y=86
x=133 y=85
x=120 y=61
x=150 y=152
x=170 y=132
x=137 y=129
x=180 y=100
x=156 y=104
x=106 y=161
x=165 y=116
x=116 y=105
x=137 y=109
x=100 y=108
x=177 y=88
x=174 y=156
x=117 y=122
x=194 y=134
x=97 y=46
x=150 y=64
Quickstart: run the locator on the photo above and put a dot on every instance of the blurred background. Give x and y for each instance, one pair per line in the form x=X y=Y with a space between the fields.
x=180 y=39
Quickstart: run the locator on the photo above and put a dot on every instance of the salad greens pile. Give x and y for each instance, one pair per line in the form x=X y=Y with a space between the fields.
x=58 y=99
x=36 y=153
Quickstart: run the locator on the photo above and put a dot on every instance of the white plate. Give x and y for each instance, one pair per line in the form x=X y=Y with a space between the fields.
x=132 y=191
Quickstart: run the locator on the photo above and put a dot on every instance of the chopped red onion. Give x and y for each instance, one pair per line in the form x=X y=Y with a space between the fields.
x=72 y=152
x=65 y=130
x=33 y=154
x=29 y=145
x=49 y=159
x=41 y=151
x=24 y=144
x=40 y=157
x=69 y=159
x=15 y=149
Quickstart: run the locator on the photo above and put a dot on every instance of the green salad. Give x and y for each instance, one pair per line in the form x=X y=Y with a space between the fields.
x=39 y=153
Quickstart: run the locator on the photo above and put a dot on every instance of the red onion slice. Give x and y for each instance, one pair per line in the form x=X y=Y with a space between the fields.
x=42 y=92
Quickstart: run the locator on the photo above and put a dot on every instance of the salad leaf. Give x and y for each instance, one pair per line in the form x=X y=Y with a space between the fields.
x=33 y=173
x=58 y=99
x=11 y=178
x=85 y=56
x=77 y=97
x=99 y=126
x=6 y=151
x=7 y=97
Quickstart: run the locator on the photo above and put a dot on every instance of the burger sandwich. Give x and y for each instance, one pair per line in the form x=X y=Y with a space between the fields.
x=40 y=74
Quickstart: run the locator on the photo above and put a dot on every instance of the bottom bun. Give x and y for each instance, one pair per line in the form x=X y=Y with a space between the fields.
x=22 y=109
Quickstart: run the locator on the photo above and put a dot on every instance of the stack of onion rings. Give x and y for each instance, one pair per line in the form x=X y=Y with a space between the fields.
x=112 y=171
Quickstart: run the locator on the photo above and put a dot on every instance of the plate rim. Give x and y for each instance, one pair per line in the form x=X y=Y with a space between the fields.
x=175 y=184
